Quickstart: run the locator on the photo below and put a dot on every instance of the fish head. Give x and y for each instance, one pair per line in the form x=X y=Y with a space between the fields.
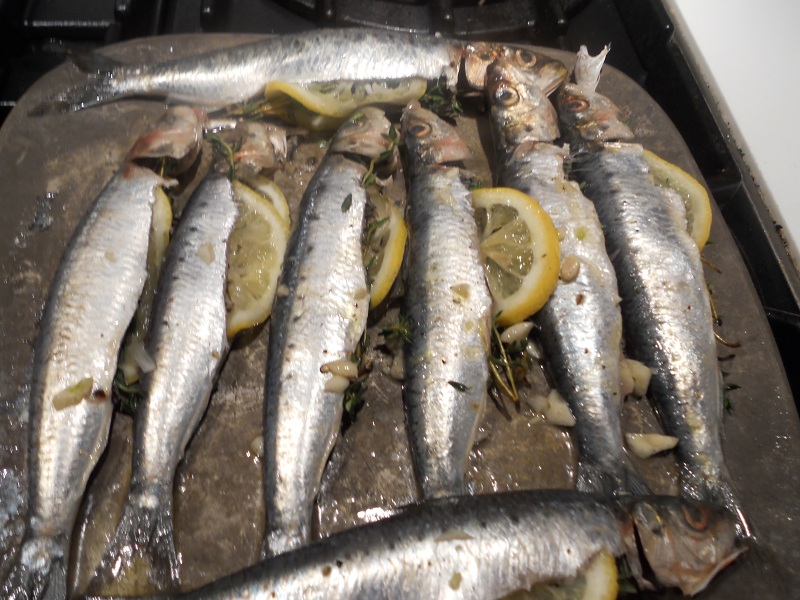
x=520 y=109
x=178 y=135
x=260 y=146
x=545 y=72
x=686 y=542
x=365 y=132
x=431 y=139
x=589 y=116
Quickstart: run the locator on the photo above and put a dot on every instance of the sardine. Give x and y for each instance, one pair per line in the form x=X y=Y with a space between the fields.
x=91 y=301
x=188 y=345
x=319 y=315
x=581 y=324
x=236 y=74
x=665 y=306
x=490 y=546
x=449 y=307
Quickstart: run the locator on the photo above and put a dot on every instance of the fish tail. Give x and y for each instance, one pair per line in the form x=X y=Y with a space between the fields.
x=107 y=81
x=719 y=489
x=144 y=529
x=39 y=571
x=593 y=478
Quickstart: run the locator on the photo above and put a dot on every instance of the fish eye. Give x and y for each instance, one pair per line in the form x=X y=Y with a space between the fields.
x=419 y=129
x=506 y=95
x=526 y=57
x=695 y=516
x=575 y=104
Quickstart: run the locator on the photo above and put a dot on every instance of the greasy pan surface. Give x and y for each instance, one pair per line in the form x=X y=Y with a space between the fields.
x=52 y=168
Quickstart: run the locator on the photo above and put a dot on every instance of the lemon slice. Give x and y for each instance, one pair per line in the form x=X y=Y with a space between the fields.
x=691 y=191
x=520 y=252
x=384 y=241
x=270 y=190
x=131 y=361
x=255 y=259
x=341 y=98
x=598 y=581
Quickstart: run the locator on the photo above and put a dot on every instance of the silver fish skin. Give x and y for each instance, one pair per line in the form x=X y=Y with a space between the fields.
x=490 y=546
x=236 y=74
x=91 y=302
x=581 y=324
x=449 y=307
x=319 y=315
x=665 y=305
x=188 y=344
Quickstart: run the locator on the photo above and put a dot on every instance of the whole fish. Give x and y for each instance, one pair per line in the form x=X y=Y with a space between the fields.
x=581 y=324
x=91 y=301
x=188 y=345
x=319 y=315
x=448 y=304
x=222 y=77
x=665 y=305
x=490 y=546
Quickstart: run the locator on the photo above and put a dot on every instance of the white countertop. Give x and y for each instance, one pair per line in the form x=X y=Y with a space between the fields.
x=751 y=51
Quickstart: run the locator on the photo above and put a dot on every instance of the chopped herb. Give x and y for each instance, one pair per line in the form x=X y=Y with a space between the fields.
x=459 y=386
x=348 y=202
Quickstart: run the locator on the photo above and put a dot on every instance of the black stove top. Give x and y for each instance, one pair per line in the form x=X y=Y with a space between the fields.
x=37 y=35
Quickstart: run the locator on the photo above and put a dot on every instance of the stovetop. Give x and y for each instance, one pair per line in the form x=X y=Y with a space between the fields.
x=37 y=35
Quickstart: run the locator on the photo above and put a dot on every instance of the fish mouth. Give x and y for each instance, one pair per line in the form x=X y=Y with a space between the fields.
x=544 y=72
x=177 y=135
x=686 y=558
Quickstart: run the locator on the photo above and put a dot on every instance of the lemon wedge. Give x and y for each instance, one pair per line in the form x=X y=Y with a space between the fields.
x=341 y=98
x=598 y=581
x=691 y=191
x=131 y=359
x=384 y=243
x=270 y=190
x=520 y=252
x=255 y=259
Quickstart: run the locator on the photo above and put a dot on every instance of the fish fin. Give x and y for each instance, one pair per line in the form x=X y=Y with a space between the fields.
x=144 y=529
x=634 y=482
x=588 y=68
x=594 y=479
x=93 y=62
x=39 y=571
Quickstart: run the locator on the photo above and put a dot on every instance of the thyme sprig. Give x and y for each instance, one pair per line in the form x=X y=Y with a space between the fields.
x=442 y=100
x=354 y=394
x=126 y=396
x=398 y=331
x=508 y=364
x=370 y=176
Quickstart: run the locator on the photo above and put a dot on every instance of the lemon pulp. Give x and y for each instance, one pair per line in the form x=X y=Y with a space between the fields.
x=385 y=237
x=255 y=258
x=694 y=195
x=520 y=250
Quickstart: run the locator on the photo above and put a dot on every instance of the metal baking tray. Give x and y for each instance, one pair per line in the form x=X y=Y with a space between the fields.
x=52 y=167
